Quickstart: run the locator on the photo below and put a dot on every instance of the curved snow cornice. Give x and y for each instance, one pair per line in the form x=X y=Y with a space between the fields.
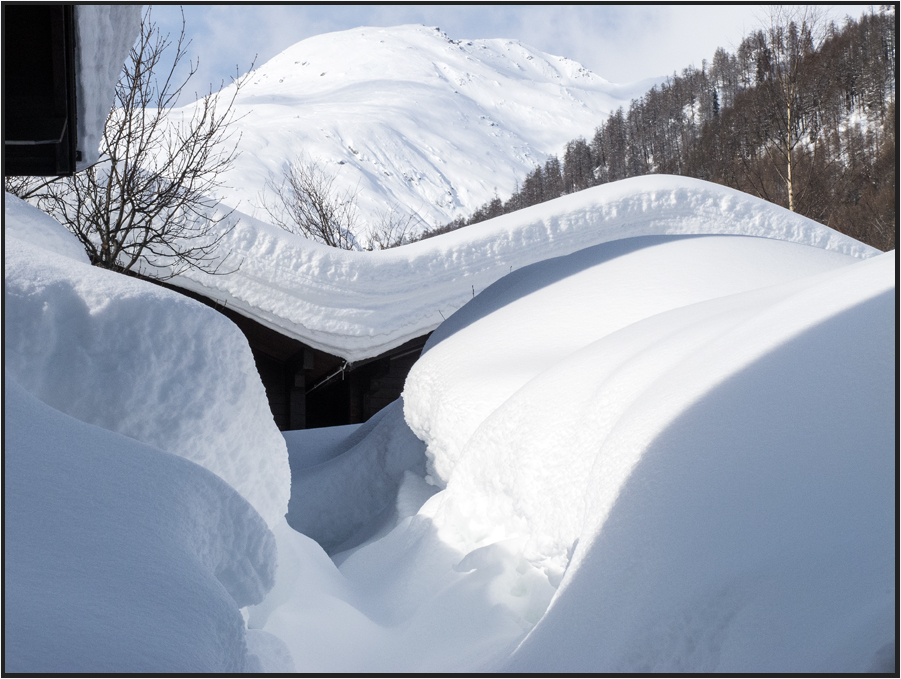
x=360 y=304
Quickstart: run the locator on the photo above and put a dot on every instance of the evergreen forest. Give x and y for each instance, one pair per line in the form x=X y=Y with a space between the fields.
x=802 y=114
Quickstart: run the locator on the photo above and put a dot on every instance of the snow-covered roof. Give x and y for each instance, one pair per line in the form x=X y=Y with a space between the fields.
x=661 y=453
x=104 y=36
x=658 y=454
x=361 y=304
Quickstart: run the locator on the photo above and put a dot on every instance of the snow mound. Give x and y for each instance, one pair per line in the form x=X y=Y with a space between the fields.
x=413 y=118
x=732 y=485
x=660 y=454
x=120 y=558
x=134 y=358
x=23 y=222
x=529 y=320
x=360 y=304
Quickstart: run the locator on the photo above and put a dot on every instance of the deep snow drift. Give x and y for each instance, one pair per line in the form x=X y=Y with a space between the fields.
x=665 y=450
x=673 y=429
x=414 y=119
x=134 y=358
x=360 y=304
x=120 y=557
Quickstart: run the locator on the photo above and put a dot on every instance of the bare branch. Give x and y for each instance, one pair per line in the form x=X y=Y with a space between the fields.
x=392 y=229
x=306 y=202
x=150 y=199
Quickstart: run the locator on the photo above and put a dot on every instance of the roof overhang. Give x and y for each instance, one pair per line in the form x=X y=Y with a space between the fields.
x=39 y=116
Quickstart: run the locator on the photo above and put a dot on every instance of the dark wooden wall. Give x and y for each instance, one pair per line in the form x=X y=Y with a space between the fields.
x=310 y=388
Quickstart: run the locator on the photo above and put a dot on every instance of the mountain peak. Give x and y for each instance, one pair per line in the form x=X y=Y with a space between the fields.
x=413 y=119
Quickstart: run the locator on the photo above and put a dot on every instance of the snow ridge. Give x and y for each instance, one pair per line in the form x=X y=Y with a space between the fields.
x=360 y=304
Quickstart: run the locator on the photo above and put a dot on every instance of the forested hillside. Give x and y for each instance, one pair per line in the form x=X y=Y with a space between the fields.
x=802 y=114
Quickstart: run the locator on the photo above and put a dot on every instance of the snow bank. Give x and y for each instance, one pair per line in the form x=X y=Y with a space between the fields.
x=532 y=318
x=736 y=504
x=343 y=501
x=22 y=222
x=134 y=358
x=658 y=455
x=104 y=36
x=360 y=304
x=120 y=558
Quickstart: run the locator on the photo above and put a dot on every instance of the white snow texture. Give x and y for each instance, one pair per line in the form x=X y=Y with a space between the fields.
x=134 y=358
x=120 y=558
x=653 y=430
x=104 y=36
x=360 y=304
x=413 y=119
x=657 y=454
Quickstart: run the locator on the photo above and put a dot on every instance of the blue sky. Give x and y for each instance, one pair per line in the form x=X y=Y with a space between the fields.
x=622 y=43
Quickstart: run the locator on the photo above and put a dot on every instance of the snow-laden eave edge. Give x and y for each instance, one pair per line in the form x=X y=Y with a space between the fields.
x=359 y=305
x=350 y=348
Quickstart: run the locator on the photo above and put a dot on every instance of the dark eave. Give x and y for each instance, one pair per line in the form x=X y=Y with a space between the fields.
x=39 y=108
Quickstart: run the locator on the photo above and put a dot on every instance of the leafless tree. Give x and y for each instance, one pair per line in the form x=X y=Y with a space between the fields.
x=391 y=229
x=22 y=186
x=305 y=201
x=150 y=198
x=790 y=85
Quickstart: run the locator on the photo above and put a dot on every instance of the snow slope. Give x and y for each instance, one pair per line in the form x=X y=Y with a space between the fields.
x=664 y=454
x=737 y=514
x=118 y=557
x=413 y=118
x=136 y=359
x=360 y=304
x=470 y=368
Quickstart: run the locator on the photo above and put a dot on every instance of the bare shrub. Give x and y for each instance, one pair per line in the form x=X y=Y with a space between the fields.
x=306 y=202
x=150 y=196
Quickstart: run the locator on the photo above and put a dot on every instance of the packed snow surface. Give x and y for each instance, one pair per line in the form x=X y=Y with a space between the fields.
x=360 y=304
x=134 y=358
x=413 y=119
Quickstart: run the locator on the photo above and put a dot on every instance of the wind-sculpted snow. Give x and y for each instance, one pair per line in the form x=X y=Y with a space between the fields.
x=360 y=304
x=655 y=454
x=529 y=320
x=411 y=118
x=735 y=509
x=366 y=473
x=134 y=358
x=120 y=558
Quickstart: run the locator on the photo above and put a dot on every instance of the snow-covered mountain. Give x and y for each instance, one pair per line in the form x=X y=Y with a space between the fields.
x=413 y=119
